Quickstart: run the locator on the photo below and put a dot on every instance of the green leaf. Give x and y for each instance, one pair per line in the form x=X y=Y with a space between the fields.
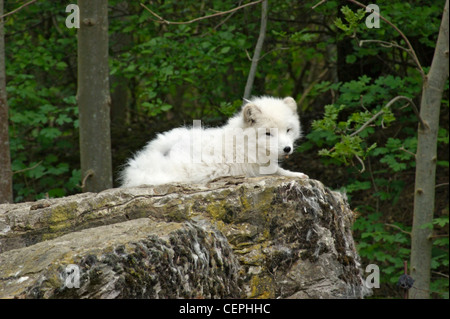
x=61 y=65
x=441 y=221
x=441 y=242
x=442 y=163
x=426 y=226
x=36 y=172
x=50 y=132
x=56 y=192
x=324 y=152
x=58 y=170
x=357 y=185
x=392 y=162
x=51 y=158
x=63 y=118
x=166 y=107
x=393 y=143
x=350 y=59
x=225 y=50
x=338 y=22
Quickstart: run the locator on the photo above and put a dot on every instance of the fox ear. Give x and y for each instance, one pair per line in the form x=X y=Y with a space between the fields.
x=251 y=113
x=291 y=103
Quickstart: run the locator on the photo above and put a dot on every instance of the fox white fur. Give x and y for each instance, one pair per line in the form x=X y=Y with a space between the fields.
x=250 y=144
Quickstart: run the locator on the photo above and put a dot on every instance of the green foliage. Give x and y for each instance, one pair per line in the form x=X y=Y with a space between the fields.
x=349 y=135
x=352 y=18
x=385 y=248
x=378 y=144
x=199 y=71
x=162 y=63
x=43 y=111
x=387 y=245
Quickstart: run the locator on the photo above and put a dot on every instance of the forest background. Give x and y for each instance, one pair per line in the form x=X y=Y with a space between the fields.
x=165 y=75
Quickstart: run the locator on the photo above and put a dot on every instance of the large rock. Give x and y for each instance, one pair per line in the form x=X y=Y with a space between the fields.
x=271 y=237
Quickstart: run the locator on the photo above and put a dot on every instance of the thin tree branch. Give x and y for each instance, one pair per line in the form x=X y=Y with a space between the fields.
x=318 y=4
x=257 y=53
x=310 y=87
x=410 y=48
x=18 y=9
x=362 y=163
x=375 y=187
x=386 y=44
x=440 y=274
x=28 y=168
x=226 y=19
x=396 y=227
x=273 y=50
x=162 y=20
x=406 y=151
x=89 y=173
x=395 y=99
x=248 y=55
x=414 y=107
x=438 y=236
x=373 y=118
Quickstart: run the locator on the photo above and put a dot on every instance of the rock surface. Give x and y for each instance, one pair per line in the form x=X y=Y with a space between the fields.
x=271 y=237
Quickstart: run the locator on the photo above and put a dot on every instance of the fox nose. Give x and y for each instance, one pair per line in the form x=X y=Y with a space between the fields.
x=287 y=149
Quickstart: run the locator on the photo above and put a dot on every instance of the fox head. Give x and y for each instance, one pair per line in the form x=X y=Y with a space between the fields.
x=279 y=120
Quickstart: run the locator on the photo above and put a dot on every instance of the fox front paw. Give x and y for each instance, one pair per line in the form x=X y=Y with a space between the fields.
x=285 y=172
x=301 y=175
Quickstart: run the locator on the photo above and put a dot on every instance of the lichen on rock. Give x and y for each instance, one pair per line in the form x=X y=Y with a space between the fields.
x=271 y=237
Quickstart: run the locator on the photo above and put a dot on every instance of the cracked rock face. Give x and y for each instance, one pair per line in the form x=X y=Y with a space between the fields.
x=271 y=237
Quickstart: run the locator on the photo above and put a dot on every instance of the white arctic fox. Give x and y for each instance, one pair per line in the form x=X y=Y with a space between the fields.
x=250 y=144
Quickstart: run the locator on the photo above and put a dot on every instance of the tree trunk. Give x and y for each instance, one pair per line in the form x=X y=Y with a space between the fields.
x=257 y=53
x=93 y=96
x=426 y=158
x=6 y=194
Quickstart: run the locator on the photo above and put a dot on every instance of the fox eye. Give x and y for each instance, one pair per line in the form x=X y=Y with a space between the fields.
x=288 y=130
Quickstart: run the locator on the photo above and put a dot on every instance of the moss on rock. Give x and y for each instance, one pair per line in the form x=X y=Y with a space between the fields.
x=266 y=237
